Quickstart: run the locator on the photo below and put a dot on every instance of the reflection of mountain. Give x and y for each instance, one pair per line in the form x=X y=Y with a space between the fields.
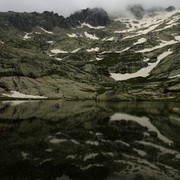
x=143 y=121
x=89 y=140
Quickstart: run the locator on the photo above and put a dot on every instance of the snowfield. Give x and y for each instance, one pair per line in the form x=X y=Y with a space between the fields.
x=15 y=94
x=144 y=72
x=147 y=24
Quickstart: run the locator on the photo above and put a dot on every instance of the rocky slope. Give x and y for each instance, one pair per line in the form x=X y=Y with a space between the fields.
x=90 y=55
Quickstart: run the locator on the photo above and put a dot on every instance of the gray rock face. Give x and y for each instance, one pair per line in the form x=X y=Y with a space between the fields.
x=128 y=67
x=49 y=20
x=95 y=17
x=170 y=8
x=26 y=21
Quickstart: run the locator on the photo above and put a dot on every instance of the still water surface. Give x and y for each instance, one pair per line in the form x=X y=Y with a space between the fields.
x=56 y=140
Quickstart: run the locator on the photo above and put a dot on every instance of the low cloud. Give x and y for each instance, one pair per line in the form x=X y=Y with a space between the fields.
x=66 y=7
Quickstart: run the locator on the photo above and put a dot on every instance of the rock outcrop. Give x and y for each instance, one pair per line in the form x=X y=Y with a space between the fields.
x=137 y=10
x=48 y=20
x=94 y=17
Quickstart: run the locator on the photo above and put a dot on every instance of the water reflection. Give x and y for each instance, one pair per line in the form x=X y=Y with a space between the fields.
x=89 y=140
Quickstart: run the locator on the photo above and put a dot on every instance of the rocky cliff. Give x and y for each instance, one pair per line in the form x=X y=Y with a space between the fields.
x=90 y=55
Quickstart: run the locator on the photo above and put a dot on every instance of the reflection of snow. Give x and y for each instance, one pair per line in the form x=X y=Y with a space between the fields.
x=15 y=103
x=92 y=165
x=143 y=121
x=161 y=148
x=108 y=39
x=59 y=59
x=90 y=156
x=50 y=42
x=57 y=141
x=140 y=152
x=93 y=143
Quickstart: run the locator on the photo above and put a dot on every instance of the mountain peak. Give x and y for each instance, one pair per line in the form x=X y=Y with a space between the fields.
x=94 y=17
x=170 y=8
x=136 y=10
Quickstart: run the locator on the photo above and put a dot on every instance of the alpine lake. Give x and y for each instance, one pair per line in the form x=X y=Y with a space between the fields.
x=88 y=140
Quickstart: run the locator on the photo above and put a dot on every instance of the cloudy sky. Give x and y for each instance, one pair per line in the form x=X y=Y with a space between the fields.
x=66 y=7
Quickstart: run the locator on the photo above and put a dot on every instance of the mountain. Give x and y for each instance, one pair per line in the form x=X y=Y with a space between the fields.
x=49 y=20
x=90 y=55
x=94 y=17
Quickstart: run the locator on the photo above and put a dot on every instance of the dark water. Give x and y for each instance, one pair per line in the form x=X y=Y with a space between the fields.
x=55 y=140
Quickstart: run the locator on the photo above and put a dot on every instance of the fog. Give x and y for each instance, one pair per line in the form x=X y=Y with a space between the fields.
x=66 y=7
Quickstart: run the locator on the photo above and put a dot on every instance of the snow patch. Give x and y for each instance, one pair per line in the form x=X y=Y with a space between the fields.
x=147 y=24
x=92 y=27
x=126 y=49
x=176 y=76
x=27 y=36
x=90 y=36
x=50 y=42
x=15 y=94
x=93 y=49
x=73 y=35
x=48 y=32
x=163 y=44
x=59 y=59
x=144 y=72
x=140 y=41
x=76 y=50
x=56 y=51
